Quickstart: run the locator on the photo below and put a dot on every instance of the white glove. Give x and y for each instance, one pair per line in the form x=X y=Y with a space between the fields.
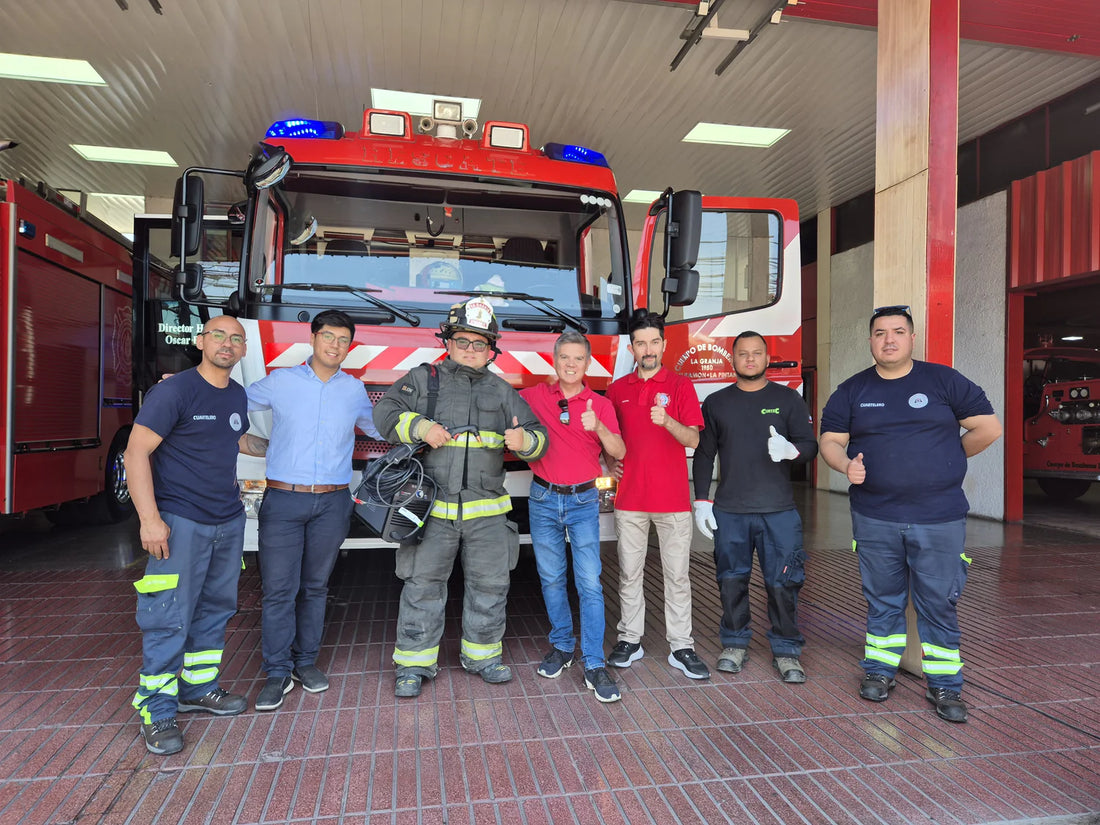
x=780 y=448
x=704 y=517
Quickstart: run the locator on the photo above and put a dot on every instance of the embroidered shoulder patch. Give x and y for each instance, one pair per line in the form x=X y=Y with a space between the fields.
x=407 y=389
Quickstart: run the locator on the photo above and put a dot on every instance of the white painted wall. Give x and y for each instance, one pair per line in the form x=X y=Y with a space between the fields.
x=979 y=330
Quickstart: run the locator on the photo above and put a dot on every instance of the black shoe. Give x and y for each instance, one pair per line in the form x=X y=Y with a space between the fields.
x=495 y=674
x=273 y=691
x=554 y=662
x=408 y=685
x=949 y=705
x=875 y=687
x=624 y=654
x=163 y=736
x=689 y=662
x=311 y=678
x=790 y=669
x=217 y=701
x=599 y=681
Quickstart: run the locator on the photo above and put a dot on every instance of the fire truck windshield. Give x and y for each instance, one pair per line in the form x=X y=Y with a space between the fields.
x=414 y=246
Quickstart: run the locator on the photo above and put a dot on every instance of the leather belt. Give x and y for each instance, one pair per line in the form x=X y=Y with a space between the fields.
x=563 y=489
x=305 y=488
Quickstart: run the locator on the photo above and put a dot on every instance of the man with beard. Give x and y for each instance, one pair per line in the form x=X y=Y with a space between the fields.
x=658 y=412
x=757 y=429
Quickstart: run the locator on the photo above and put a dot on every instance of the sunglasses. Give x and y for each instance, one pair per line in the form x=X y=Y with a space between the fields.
x=563 y=415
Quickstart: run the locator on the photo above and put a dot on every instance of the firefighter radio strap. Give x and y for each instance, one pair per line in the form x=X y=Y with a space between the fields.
x=396 y=494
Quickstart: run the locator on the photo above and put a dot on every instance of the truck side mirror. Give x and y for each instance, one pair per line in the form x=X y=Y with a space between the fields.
x=187 y=209
x=189 y=280
x=682 y=233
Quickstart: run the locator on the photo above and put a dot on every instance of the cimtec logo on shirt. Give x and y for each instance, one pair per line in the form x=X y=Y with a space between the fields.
x=872 y=404
x=204 y=418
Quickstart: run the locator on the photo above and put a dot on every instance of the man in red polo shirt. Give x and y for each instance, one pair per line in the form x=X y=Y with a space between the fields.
x=659 y=415
x=565 y=503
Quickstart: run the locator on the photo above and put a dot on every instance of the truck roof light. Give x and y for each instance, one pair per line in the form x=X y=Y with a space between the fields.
x=302 y=128
x=500 y=135
x=576 y=154
x=385 y=122
x=450 y=110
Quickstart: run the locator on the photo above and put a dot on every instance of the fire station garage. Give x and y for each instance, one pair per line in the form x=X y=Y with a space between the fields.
x=787 y=168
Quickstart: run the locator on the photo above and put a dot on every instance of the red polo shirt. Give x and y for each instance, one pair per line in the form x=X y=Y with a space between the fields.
x=573 y=456
x=655 y=476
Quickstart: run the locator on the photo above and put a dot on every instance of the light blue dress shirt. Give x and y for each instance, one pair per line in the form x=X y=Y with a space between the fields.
x=312 y=431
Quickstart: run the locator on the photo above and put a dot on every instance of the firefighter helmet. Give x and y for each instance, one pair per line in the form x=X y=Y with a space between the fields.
x=475 y=315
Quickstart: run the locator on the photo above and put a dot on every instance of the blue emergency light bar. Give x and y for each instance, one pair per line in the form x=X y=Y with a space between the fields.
x=577 y=154
x=302 y=128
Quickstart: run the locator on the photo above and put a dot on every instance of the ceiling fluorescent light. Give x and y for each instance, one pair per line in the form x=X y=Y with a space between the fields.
x=1073 y=338
x=725 y=134
x=49 y=69
x=113 y=154
x=419 y=104
x=646 y=196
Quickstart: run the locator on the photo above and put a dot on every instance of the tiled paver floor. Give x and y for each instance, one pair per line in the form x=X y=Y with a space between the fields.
x=739 y=748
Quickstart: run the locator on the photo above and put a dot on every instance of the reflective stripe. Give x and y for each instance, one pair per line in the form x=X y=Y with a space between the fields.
x=540 y=444
x=940 y=668
x=199 y=677
x=484 y=439
x=884 y=656
x=202 y=657
x=946 y=653
x=152 y=684
x=853 y=545
x=416 y=658
x=481 y=652
x=157 y=583
x=403 y=428
x=897 y=640
x=472 y=509
x=965 y=558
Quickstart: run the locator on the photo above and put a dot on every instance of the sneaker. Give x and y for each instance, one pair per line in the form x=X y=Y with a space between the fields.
x=624 y=654
x=732 y=659
x=496 y=674
x=163 y=736
x=217 y=701
x=554 y=662
x=876 y=687
x=408 y=685
x=599 y=681
x=790 y=669
x=949 y=705
x=313 y=680
x=273 y=691
x=689 y=662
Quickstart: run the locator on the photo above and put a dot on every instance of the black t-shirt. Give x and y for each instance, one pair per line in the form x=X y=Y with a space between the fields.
x=195 y=466
x=737 y=425
x=908 y=431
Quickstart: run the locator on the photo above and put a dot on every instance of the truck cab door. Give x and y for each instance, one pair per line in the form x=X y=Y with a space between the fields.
x=749 y=279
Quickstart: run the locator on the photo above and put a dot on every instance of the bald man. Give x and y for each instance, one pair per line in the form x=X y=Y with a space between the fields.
x=181 y=468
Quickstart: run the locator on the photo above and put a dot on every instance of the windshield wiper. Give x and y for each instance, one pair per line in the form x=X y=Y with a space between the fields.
x=544 y=304
x=411 y=320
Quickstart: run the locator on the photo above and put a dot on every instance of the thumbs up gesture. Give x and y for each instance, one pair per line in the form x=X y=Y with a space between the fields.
x=779 y=448
x=856 y=472
x=515 y=436
x=588 y=418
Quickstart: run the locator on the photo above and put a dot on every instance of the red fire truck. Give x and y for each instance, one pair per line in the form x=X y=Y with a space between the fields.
x=396 y=222
x=1062 y=419
x=65 y=358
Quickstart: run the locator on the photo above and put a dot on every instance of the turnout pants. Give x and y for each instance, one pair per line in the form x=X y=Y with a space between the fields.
x=183 y=605
x=777 y=539
x=927 y=561
x=486 y=547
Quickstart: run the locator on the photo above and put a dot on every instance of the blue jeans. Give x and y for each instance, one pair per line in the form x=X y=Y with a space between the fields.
x=927 y=562
x=300 y=536
x=554 y=517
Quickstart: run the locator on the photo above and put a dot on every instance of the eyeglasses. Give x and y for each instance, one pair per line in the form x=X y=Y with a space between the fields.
x=330 y=338
x=563 y=416
x=895 y=309
x=467 y=343
x=220 y=336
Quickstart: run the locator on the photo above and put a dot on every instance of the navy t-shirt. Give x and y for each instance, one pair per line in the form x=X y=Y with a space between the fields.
x=195 y=466
x=908 y=431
